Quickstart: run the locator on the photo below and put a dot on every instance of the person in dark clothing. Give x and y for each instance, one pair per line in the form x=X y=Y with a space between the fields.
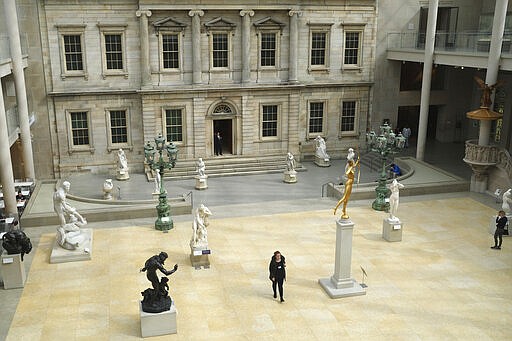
x=395 y=170
x=217 y=144
x=277 y=269
x=501 y=221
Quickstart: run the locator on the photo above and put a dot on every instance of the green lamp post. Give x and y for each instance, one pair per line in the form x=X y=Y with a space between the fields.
x=166 y=159
x=387 y=143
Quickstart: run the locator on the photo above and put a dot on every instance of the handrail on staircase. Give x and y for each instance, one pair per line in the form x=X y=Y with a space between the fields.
x=324 y=186
x=191 y=195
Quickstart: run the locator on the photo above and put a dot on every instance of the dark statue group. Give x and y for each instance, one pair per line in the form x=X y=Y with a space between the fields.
x=157 y=299
x=16 y=241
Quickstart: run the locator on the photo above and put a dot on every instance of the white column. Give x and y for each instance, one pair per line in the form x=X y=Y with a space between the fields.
x=427 y=78
x=11 y=23
x=294 y=43
x=196 y=45
x=145 y=68
x=246 y=44
x=6 y=174
x=493 y=63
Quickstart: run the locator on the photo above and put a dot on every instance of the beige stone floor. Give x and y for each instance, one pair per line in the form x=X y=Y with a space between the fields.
x=441 y=282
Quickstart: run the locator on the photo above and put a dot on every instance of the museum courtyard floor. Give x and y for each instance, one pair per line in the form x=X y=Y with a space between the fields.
x=441 y=282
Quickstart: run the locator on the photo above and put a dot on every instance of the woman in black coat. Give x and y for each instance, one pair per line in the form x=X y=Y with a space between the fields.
x=277 y=269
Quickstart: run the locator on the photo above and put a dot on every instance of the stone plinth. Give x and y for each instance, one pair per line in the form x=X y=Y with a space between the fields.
x=322 y=162
x=122 y=175
x=340 y=284
x=83 y=252
x=201 y=182
x=199 y=256
x=392 y=230
x=290 y=177
x=13 y=271
x=154 y=324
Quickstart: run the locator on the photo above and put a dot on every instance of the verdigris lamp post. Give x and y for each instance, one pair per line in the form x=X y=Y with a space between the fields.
x=166 y=159
x=385 y=144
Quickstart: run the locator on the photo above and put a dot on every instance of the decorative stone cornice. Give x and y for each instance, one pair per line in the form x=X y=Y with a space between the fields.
x=195 y=12
x=480 y=155
x=141 y=12
x=292 y=12
x=249 y=12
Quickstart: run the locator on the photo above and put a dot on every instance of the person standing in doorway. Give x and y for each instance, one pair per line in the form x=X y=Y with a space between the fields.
x=277 y=269
x=217 y=144
x=406 y=132
x=501 y=222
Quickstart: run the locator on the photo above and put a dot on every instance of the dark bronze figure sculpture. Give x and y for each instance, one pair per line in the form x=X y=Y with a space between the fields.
x=156 y=299
x=16 y=241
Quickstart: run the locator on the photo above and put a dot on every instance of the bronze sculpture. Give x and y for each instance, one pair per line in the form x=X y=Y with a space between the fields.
x=156 y=299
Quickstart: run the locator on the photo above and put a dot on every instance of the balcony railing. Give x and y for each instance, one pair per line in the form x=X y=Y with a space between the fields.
x=5 y=50
x=476 y=42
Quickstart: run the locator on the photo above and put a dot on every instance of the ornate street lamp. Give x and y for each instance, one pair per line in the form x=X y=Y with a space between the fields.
x=166 y=159
x=384 y=144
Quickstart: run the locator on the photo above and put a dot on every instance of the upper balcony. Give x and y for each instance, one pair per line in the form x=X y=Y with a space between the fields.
x=468 y=49
x=5 y=54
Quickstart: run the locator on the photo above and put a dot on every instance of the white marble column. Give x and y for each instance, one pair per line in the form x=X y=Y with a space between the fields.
x=427 y=78
x=145 y=68
x=493 y=63
x=246 y=44
x=11 y=23
x=6 y=174
x=294 y=43
x=196 y=45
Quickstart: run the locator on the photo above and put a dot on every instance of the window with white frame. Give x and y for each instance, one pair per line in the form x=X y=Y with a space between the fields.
x=268 y=49
x=316 y=118
x=220 y=50
x=170 y=50
x=174 y=124
x=269 y=121
x=319 y=45
x=119 y=128
x=72 y=50
x=348 y=117
x=113 y=50
x=352 y=45
x=79 y=129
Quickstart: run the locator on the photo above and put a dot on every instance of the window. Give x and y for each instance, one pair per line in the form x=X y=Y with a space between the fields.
x=71 y=39
x=318 y=45
x=79 y=128
x=220 y=50
x=73 y=52
x=113 y=50
x=118 y=127
x=268 y=49
x=348 y=117
x=269 y=121
x=170 y=51
x=174 y=125
x=316 y=117
x=352 y=45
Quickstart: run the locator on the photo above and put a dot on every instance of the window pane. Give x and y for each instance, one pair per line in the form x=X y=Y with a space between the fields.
x=220 y=50
x=318 y=43
x=113 y=52
x=348 y=116
x=316 y=117
x=269 y=121
x=352 y=48
x=174 y=125
x=73 y=52
x=79 y=128
x=268 y=49
x=170 y=51
x=118 y=126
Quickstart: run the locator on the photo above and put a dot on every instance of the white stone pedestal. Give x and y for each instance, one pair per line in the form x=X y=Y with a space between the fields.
x=392 y=230
x=13 y=271
x=199 y=257
x=83 y=252
x=154 y=324
x=321 y=162
x=340 y=284
x=201 y=182
x=290 y=177
x=122 y=175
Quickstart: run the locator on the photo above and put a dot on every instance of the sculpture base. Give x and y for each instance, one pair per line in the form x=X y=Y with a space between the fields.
x=199 y=257
x=154 y=324
x=13 y=271
x=201 y=182
x=321 y=162
x=290 y=177
x=392 y=230
x=123 y=176
x=164 y=224
x=83 y=252
x=345 y=288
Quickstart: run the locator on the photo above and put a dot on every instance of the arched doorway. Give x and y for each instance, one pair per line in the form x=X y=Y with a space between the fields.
x=224 y=120
x=225 y=128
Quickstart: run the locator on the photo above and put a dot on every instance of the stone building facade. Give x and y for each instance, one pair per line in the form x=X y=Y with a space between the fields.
x=269 y=76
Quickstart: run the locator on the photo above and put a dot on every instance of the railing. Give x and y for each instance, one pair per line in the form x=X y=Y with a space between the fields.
x=12 y=120
x=461 y=42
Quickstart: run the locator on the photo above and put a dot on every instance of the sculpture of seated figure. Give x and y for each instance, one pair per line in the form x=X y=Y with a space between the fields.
x=199 y=231
x=68 y=233
x=321 y=149
x=507 y=202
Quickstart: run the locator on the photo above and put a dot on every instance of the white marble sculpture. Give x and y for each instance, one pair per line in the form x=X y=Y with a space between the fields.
x=321 y=149
x=158 y=181
x=290 y=174
x=199 y=233
x=507 y=202
x=122 y=166
x=394 y=199
x=201 y=167
x=69 y=235
x=107 y=189
x=201 y=177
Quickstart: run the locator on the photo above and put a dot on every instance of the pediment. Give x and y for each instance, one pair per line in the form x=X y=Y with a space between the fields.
x=169 y=24
x=219 y=23
x=268 y=23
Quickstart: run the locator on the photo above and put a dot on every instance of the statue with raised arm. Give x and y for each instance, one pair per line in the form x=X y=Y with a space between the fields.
x=156 y=299
x=394 y=199
x=199 y=231
x=350 y=169
x=507 y=202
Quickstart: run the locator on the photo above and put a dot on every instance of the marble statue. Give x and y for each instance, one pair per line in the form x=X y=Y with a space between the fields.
x=395 y=187
x=201 y=167
x=199 y=231
x=157 y=299
x=61 y=206
x=290 y=162
x=350 y=176
x=507 y=202
x=122 y=165
x=321 y=149
x=158 y=181
x=107 y=189
x=16 y=242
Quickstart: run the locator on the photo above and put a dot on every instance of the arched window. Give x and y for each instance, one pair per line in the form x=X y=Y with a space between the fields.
x=222 y=109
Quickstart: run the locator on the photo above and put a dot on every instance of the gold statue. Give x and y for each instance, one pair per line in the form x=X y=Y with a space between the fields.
x=350 y=174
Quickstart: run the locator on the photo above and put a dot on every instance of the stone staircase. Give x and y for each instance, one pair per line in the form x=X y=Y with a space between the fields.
x=229 y=165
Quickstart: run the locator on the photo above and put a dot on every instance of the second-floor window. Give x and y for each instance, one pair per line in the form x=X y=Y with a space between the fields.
x=348 y=117
x=352 y=48
x=220 y=50
x=316 y=118
x=73 y=52
x=113 y=51
x=269 y=121
x=268 y=49
x=79 y=128
x=318 y=48
x=174 y=125
x=118 y=127
x=170 y=51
